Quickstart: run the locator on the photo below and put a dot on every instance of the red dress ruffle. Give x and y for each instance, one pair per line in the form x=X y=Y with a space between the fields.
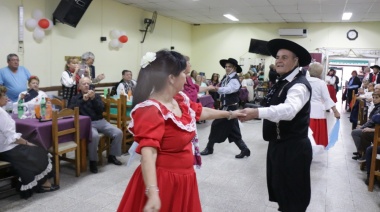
x=319 y=128
x=155 y=126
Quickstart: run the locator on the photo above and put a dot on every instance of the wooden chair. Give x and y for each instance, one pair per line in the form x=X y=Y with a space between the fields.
x=59 y=150
x=100 y=91
x=127 y=136
x=57 y=102
x=104 y=141
x=373 y=172
x=7 y=180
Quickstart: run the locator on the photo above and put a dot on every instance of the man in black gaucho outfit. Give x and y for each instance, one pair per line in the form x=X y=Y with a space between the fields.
x=286 y=122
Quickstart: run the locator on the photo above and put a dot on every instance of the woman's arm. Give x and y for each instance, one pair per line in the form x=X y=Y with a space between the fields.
x=148 y=167
x=208 y=113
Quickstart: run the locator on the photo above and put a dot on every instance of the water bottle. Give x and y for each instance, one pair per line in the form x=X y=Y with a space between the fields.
x=43 y=108
x=20 y=108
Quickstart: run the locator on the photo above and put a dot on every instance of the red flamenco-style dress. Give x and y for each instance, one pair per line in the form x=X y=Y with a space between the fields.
x=153 y=125
x=330 y=80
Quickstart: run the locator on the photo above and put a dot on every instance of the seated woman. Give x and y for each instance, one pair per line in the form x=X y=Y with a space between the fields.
x=201 y=84
x=33 y=94
x=31 y=163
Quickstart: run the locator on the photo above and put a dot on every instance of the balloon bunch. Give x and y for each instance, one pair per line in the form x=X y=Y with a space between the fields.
x=39 y=24
x=118 y=38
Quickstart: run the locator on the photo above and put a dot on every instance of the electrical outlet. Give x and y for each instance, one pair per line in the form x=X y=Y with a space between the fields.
x=20 y=47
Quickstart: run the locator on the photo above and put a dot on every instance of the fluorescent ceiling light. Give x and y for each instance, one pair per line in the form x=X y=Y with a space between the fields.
x=231 y=17
x=346 y=16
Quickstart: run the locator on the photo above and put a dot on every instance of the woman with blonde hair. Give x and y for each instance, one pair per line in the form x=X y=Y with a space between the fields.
x=70 y=78
x=248 y=84
x=319 y=103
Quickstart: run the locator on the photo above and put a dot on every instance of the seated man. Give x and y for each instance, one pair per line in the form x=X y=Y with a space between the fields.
x=90 y=104
x=126 y=84
x=363 y=136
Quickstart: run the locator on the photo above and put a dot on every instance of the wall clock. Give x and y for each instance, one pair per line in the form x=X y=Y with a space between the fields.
x=352 y=34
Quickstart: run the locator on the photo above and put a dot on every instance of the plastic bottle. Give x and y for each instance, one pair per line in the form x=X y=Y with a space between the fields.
x=20 y=108
x=37 y=109
x=43 y=108
x=49 y=110
x=129 y=94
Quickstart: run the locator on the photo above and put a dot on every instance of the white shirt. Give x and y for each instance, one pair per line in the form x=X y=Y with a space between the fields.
x=66 y=80
x=320 y=98
x=232 y=86
x=8 y=133
x=330 y=80
x=37 y=99
x=296 y=98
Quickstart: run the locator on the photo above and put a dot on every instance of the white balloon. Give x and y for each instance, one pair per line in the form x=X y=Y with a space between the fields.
x=114 y=43
x=30 y=24
x=115 y=33
x=120 y=45
x=37 y=14
x=38 y=34
x=50 y=24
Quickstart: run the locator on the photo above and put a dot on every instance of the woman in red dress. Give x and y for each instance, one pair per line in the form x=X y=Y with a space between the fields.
x=330 y=81
x=163 y=123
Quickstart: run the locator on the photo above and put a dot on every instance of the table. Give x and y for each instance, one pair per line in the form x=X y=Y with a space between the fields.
x=40 y=133
x=206 y=101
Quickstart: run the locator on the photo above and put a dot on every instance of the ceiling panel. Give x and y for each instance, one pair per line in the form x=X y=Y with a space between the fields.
x=261 y=11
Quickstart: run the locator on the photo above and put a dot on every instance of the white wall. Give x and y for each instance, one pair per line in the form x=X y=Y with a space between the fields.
x=46 y=59
x=218 y=41
x=205 y=44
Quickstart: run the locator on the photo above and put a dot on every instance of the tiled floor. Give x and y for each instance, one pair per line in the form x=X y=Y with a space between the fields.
x=225 y=183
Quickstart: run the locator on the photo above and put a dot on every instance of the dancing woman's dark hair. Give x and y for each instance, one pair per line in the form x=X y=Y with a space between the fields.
x=155 y=75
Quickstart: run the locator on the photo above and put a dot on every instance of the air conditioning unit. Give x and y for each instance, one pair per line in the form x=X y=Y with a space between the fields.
x=293 y=32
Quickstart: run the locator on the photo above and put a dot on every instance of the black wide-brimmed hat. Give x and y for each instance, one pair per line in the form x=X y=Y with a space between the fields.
x=304 y=57
x=375 y=66
x=233 y=62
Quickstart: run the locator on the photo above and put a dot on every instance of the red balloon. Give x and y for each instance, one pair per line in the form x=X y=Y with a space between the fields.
x=43 y=23
x=123 y=39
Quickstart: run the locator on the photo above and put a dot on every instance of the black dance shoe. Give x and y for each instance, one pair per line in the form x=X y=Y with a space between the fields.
x=114 y=160
x=243 y=153
x=207 y=151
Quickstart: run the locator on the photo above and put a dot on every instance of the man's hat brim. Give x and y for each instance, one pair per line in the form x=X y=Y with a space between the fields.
x=304 y=57
x=233 y=62
x=375 y=66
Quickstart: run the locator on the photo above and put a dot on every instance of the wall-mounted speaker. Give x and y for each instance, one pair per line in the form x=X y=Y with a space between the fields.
x=70 y=11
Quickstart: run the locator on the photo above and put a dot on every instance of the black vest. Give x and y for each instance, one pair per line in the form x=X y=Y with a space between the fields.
x=297 y=127
x=232 y=98
x=68 y=92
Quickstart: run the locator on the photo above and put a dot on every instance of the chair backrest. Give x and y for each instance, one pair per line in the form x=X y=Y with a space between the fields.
x=58 y=102
x=106 y=111
x=67 y=112
x=115 y=104
x=124 y=107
